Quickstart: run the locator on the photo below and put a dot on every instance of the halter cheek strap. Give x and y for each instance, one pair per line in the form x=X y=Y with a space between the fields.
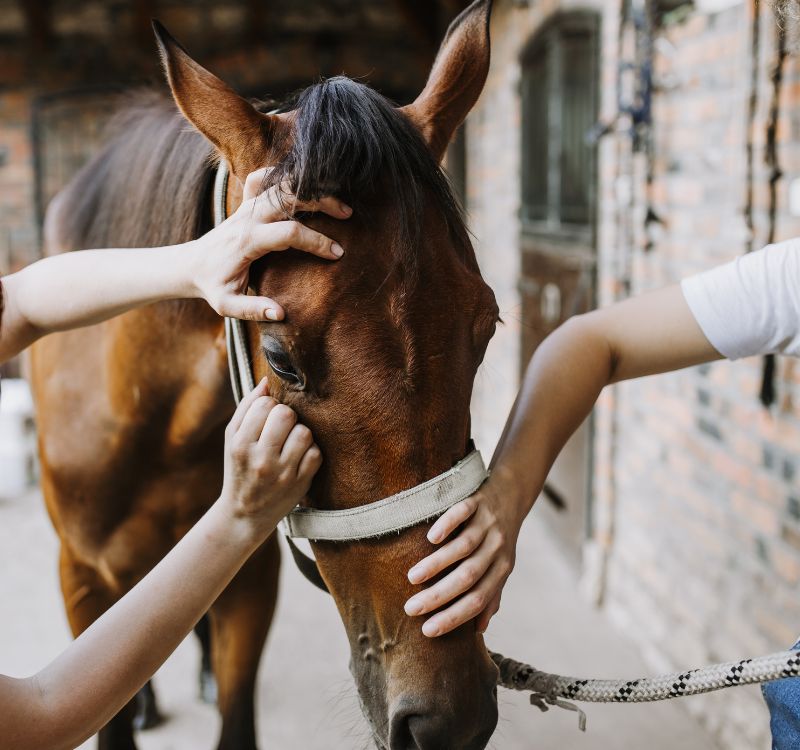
x=241 y=370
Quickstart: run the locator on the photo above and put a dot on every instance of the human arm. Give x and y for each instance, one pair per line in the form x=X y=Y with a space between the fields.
x=746 y=307
x=269 y=463
x=653 y=333
x=82 y=288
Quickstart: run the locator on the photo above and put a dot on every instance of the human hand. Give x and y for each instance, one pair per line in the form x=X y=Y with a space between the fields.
x=259 y=226
x=483 y=552
x=270 y=461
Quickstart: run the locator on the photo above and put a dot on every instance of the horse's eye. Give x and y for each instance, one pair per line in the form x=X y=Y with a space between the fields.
x=281 y=365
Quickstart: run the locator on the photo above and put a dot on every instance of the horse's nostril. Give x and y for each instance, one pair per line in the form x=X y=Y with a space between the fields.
x=410 y=730
x=400 y=737
x=426 y=732
x=416 y=732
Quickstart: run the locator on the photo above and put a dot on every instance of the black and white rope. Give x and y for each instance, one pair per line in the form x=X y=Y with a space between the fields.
x=556 y=690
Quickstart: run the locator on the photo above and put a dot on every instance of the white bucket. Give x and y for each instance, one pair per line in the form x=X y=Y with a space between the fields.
x=17 y=438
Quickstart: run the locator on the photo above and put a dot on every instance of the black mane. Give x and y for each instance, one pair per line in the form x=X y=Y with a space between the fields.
x=349 y=141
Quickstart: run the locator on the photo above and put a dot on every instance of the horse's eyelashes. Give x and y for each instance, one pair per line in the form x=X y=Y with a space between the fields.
x=282 y=366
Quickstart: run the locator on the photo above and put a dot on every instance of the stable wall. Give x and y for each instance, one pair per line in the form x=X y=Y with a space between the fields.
x=696 y=506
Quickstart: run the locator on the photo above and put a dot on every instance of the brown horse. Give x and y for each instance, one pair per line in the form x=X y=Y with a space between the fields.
x=377 y=355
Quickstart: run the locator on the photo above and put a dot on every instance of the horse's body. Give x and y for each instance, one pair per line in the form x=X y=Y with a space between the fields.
x=382 y=347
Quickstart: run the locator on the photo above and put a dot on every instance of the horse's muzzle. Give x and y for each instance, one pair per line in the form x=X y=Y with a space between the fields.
x=413 y=726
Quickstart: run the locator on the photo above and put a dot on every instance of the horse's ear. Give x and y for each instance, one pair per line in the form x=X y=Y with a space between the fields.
x=242 y=135
x=456 y=80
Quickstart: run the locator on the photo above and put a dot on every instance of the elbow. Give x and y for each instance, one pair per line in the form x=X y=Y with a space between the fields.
x=48 y=726
x=585 y=335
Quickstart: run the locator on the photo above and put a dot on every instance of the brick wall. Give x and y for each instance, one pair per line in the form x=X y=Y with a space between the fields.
x=696 y=545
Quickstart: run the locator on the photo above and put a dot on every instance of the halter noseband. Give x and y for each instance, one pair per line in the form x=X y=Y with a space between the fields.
x=388 y=516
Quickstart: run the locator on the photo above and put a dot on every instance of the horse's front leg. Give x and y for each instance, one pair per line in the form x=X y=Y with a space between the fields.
x=240 y=621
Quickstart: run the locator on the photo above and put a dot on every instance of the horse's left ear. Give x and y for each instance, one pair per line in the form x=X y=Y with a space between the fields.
x=456 y=80
x=242 y=134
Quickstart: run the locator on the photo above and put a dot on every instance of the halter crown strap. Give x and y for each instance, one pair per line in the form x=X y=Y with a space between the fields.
x=241 y=369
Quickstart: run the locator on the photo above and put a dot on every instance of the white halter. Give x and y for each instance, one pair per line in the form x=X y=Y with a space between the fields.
x=388 y=516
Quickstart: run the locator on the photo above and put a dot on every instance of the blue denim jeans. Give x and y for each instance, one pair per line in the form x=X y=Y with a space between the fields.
x=783 y=701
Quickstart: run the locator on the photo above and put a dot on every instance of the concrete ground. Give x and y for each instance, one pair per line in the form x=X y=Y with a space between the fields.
x=306 y=698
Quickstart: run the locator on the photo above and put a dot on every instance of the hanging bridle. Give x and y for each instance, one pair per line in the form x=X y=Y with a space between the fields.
x=390 y=515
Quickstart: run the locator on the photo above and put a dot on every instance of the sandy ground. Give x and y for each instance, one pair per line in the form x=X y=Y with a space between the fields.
x=543 y=621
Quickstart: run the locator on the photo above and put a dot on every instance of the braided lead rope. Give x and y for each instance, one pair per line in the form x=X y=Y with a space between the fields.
x=556 y=690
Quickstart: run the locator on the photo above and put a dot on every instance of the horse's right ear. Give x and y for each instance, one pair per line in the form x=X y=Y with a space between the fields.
x=242 y=135
x=456 y=79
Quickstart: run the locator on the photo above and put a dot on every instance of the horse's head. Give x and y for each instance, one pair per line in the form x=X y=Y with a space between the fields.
x=378 y=351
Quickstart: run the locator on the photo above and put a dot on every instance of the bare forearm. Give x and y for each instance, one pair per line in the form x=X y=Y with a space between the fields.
x=561 y=385
x=653 y=333
x=83 y=288
x=646 y=335
x=102 y=670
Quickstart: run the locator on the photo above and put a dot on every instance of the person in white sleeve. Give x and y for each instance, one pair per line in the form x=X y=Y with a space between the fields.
x=749 y=306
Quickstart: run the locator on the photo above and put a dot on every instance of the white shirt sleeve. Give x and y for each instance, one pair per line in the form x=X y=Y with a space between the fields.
x=752 y=304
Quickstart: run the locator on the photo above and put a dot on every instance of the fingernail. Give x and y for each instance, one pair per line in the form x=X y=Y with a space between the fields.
x=346 y=210
x=271 y=314
x=430 y=630
x=415 y=574
x=413 y=608
x=337 y=249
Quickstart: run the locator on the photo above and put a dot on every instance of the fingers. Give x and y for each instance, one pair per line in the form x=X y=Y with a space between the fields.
x=254 y=184
x=297 y=444
x=276 y=203
x=468 y=606
x=244 y=405
x=457 y=549
x=310 y=463
x=455 y=583
x=483 y=620
x=278 y=425
x=452 y=519
x=329 y=205
x=246 y=307
x=253 y=422
x=282 y=235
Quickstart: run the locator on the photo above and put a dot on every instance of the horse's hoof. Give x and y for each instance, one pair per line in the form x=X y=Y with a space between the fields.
x=208 y=688
x=147 y=714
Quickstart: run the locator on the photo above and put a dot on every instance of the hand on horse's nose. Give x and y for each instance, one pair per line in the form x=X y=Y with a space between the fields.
x=415 y=730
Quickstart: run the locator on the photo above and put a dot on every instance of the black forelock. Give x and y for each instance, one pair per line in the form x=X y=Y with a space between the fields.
x=350 y=142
